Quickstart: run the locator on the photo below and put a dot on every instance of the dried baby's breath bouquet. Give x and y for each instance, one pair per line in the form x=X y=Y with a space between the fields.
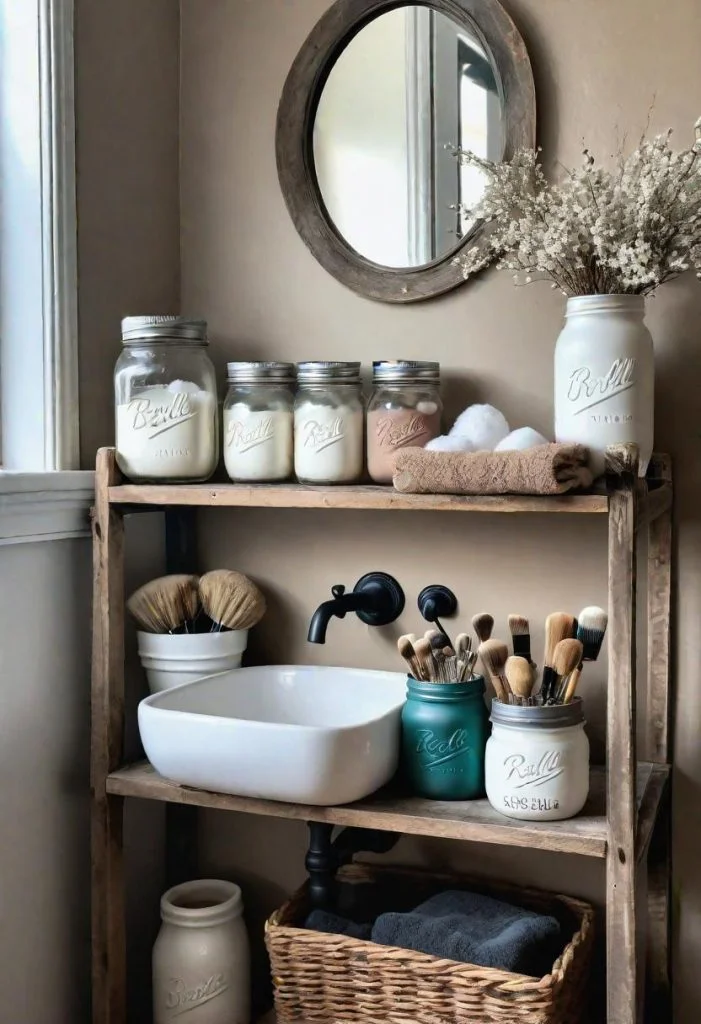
x=621 y=231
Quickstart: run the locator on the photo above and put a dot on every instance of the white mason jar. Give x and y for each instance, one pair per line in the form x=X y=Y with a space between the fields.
x=165 y=390
x=537 y=761
x=201 y=961
x=605 y=376
x=329 y=423
x=258 y=421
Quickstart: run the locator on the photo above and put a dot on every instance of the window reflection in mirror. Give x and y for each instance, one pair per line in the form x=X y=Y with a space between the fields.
x=409 y=86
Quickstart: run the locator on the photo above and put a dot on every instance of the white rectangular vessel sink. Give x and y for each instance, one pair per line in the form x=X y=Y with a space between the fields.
x=302 y=734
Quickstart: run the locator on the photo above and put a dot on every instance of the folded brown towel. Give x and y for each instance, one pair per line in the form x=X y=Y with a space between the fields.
x=547 y=469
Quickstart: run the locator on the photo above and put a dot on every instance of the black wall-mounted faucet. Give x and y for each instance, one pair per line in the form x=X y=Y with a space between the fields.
x=376 y=598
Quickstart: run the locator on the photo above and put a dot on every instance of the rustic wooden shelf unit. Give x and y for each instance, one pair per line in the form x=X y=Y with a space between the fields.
x=625 y=822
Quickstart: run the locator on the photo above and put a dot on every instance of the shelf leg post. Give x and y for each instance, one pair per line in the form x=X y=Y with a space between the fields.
x=657 y=738
x=658 y=960
x=320 y=863
x=659 y=613
x=621 y=973
x=107 y=737
x=181 y=820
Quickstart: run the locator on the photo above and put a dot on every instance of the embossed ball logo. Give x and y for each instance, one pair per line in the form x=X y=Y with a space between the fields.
x=437 y=750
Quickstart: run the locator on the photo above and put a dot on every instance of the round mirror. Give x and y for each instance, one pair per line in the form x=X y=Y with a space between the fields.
x=408 y=88
x=376 y=102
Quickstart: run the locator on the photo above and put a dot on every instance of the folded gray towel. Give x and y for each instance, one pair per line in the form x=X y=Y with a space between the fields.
x=325 y=921
x=475 y=929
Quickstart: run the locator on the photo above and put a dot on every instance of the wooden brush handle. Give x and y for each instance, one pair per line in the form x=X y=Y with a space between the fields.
x=571 y=685
x=501 y=688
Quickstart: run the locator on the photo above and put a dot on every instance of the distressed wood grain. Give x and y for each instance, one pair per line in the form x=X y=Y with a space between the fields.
x=474 y=820
x=485 y=19
x=621 y=972
x=107 y=730
x=363 y=497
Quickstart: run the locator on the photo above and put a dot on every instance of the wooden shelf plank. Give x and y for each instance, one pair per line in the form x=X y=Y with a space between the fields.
x=475 y=820
x=356 y=497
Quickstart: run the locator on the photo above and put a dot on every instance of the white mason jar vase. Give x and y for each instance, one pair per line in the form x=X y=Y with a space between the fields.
x=201 y=962
x=604 y=376
x=537 y=761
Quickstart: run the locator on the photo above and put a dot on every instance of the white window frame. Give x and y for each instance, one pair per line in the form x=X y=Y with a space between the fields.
x=39 y=444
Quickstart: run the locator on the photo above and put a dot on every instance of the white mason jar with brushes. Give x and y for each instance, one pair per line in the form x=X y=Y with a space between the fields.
x=537 y=761
x=604 y=376
x=165 y=391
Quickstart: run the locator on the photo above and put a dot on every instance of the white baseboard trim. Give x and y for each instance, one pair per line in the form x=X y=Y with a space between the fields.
x=45 y=506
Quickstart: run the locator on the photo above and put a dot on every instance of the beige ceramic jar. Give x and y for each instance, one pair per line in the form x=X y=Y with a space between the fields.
x=201 y=962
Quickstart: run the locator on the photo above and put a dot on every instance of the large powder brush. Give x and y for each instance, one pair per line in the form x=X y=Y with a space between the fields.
x=493 y=655
x=169 y=604
x=558 y=626
x=231 y=600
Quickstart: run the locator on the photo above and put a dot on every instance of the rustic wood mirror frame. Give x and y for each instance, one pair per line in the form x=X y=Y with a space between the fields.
x=495 y=30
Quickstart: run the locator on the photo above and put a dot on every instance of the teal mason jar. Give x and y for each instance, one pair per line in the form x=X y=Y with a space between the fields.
x=445 y=727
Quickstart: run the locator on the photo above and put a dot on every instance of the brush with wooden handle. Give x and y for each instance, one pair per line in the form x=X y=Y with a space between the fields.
x=424 y=656
x=519 y=676
x=483 y=624
x=493 y=654
x=520 y=630
x=566 y=662
x=406 y=650
x=558 y=626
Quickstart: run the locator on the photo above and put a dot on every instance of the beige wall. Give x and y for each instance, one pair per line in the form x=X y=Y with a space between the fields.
x=44 y=731
x=127 y=165
x=598 y=67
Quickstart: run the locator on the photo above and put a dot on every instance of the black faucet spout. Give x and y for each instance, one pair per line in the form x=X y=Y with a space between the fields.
x=377 y=598
x=338 y=607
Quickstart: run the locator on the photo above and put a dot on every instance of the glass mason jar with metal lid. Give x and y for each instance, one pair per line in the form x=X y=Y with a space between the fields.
x=258 y=421
x=328 y=423
x=537 y=761
x=165 y=390
x=405 y=410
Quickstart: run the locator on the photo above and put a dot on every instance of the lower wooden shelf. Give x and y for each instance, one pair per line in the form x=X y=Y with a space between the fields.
x=389 y=811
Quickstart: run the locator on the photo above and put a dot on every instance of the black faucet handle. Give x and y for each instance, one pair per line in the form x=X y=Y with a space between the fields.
x=338 y=590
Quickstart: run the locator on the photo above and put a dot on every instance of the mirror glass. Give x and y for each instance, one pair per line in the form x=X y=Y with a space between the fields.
x=409 y=86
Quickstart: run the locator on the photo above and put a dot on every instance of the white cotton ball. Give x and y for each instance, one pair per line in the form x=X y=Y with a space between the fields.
x=518 y=440
x=450 y=443
x=484 y=425
x=180 y=386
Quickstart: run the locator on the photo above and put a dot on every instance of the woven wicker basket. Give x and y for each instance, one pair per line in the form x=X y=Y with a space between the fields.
x=333 y=979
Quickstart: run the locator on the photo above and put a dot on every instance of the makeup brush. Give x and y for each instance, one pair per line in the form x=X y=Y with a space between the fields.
x=231 y=600
x=463 y=644
x=425 y=659
x=590 y=630
x=406 y=650
x=493 y=654
x=520 y=636
x=439 y=660
x=519 y=676
x=466 y=666
x=566 y=660
x=439 y=641
x=483 y=624
x=168 y=604
x=558 y=626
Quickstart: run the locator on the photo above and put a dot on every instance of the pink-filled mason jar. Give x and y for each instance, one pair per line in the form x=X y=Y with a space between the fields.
x=404 y=411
